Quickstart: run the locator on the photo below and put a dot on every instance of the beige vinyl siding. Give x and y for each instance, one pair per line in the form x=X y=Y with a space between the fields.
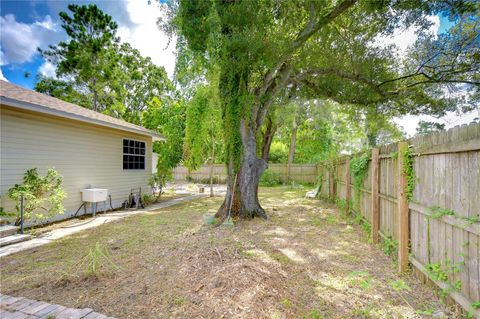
x=84 y=154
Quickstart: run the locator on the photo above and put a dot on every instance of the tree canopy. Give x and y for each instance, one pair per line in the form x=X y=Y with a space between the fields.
x=268 y=52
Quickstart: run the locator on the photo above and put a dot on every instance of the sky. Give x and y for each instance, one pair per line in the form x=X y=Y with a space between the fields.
x=26 y=25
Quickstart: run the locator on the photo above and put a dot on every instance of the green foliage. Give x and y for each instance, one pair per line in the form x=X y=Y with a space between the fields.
x=341 y=203
x=148 y=199
x=159 y=180
x=98 y=72
x=476 y=305
x=399 y=285
x=168 y=118
x=359 y=170
x=85 y=56
x=38 y=191
x=203 y=128
x=270 y=178
x=361 y=279
x=409 y=172
x=437 y=272
x=390 y=246
x=438 y=212
x=426 y=127
x=278 y=152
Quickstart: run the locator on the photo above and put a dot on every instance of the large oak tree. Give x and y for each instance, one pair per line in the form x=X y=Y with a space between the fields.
x=268 y=50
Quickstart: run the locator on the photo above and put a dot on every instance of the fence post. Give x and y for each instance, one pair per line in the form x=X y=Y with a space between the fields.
x=332 y=182
x=347 y=185
x=375 y=197
x=22 y=200
x=403 y=231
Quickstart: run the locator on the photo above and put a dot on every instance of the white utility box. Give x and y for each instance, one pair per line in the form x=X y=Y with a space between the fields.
x=94 y=195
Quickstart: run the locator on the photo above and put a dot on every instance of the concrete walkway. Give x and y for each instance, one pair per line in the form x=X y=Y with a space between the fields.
x=94 y=222
x=22 y=308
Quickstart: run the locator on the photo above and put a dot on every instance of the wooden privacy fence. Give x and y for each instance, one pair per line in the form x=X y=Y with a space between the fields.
x=436 y=231
x=302 y=173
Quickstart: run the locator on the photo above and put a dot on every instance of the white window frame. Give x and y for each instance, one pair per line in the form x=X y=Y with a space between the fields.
x=128 y=154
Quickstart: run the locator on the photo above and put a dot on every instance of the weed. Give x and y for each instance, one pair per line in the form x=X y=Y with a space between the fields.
x=438 y=212
x=287 y=303
x=436 y=272
x=426 y=312
x=97 y=258
x=331 y=219
x=178 y=301
x=399 y=285
x=281 y=258
x=361 y=279
x=389 y=246
x=314 y=314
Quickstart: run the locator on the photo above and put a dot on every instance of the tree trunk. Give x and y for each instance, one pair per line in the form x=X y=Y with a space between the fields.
x=268 y=139
x=245 y=203
x=291 y=152
x=212 y=161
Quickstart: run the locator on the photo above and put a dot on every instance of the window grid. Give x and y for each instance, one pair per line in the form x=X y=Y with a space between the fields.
x=133 y=154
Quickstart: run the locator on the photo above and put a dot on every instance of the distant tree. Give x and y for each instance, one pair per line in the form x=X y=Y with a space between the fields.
x=84 y=57
x=96 y=71
x=168 y=118
x=425 y=127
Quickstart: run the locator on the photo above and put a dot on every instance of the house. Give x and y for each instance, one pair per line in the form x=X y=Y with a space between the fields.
x=87 y=148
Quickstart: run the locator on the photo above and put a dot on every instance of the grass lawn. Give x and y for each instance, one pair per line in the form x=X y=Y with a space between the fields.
x=306 y=261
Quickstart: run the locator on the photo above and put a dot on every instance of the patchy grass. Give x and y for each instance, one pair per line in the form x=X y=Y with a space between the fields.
x=306 y=261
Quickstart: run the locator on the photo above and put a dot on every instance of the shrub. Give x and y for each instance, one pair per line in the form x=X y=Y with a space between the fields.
x=278 y=152
x=270 y=178
x=38 y=191
x=148 y=199
x=159 y=180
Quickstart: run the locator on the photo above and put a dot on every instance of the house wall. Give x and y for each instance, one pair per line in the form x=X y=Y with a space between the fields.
x=85 y=155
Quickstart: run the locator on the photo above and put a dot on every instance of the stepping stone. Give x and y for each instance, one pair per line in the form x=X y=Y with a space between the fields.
x=35 y=307
x=7 y=230
x=50 y=311
x=95 y=315
x=71 y=313
x=14 y=239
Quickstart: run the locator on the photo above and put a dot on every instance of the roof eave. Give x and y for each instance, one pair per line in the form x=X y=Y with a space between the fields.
x=46 y=110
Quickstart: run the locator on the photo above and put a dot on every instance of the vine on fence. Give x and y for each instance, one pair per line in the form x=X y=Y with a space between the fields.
x=409 y=172
x=359 y=170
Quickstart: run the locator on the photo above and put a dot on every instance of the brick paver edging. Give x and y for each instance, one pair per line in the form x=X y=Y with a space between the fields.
x=22 y=308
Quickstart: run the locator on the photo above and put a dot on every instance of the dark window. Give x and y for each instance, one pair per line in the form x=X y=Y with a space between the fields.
x=133 y=154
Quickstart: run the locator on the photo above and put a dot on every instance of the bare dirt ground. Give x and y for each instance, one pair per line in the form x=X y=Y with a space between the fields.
x=306 y=261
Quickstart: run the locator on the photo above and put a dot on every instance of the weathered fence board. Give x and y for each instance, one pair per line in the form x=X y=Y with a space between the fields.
x=302 y=173
x=443 y=213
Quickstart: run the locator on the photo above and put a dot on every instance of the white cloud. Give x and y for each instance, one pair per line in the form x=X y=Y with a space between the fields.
x=145 y=36
x=402 y=38
x=2 y=77
x=19 y=41
x=47 y=69
x=409 y=123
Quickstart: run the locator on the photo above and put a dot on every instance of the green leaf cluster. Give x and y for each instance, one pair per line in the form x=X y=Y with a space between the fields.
x=359 y=171
x=409 y=171
x=39 y=193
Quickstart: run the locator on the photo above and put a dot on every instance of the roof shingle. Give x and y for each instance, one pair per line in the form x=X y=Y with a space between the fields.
x=16 y=96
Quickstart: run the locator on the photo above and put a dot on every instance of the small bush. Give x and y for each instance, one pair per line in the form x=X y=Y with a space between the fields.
x=39 y=193
x=270 y=178
x=148 y=199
